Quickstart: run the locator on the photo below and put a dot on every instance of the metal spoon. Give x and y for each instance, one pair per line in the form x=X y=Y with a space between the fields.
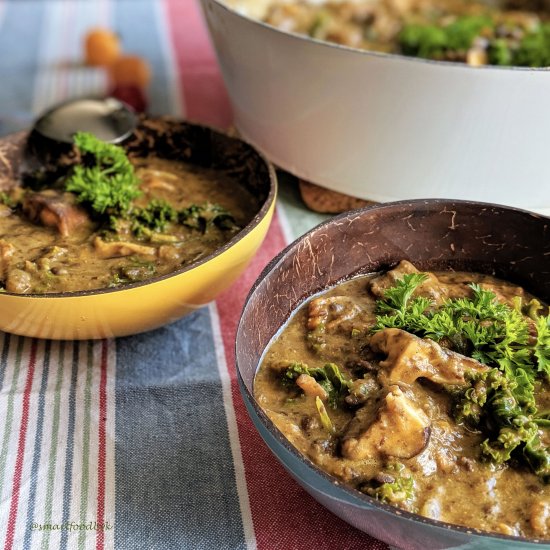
x=107 y=118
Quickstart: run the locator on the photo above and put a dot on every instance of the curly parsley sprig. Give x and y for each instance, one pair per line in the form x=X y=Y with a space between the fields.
x=106 y=179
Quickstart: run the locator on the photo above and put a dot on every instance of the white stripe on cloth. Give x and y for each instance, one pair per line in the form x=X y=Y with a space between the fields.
x=240 y=479
x=110 y=445
x=286 y=228
x=177 y=106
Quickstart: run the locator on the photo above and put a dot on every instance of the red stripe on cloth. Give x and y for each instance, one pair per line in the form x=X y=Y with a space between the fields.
x=100 y=540
x=311 y=526
x=18 y=472
x=204 y=93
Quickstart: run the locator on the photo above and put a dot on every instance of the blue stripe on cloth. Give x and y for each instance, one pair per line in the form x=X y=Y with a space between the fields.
x=4 y=358
x=172 y=445
x=135 y=21
x=19 y=44
x=69 y=451
x=37 y=444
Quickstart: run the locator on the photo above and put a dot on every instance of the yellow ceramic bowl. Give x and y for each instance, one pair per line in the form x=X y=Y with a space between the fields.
x=146 y=305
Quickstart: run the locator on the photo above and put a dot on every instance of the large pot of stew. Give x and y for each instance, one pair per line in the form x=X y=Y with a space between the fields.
x=391 y=99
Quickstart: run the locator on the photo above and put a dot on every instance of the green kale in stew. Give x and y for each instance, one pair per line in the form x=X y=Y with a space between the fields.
x=429 y=391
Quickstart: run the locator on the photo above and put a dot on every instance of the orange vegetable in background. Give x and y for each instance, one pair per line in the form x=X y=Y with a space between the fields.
x=102 y=47
x=130 y=70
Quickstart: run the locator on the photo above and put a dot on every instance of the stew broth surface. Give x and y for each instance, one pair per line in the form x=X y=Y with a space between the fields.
x=450 y=481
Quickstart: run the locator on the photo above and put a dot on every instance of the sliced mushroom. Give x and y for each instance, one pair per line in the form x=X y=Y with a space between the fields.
x=55 y=209
x=18 y=281
x=400 y=430
x=410 y=358
x=157 y=180
x=117 y=249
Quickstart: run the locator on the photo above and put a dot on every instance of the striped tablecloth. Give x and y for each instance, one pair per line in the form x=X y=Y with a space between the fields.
x=140 y=442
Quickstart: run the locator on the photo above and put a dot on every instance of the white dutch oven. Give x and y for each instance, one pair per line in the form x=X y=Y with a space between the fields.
x=385 y=127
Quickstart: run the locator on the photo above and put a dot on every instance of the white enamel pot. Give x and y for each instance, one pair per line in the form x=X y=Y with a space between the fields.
x=385 y=127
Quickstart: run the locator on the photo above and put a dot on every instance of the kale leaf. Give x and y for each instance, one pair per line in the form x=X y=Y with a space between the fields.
x=153 y=217
x=329 y=377
x=397 y=491
x=490 y=404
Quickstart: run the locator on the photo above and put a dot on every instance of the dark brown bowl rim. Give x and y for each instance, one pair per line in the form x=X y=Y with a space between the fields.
x=282 y=440
x=372 y=53
x=246 y=230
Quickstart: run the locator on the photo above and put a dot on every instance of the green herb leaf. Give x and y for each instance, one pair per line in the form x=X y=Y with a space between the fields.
x=491 y=405
x=434 y=41
x=106 y=179
x=542 y=346
x=394 y=492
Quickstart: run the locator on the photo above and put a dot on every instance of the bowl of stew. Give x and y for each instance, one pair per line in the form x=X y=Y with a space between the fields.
x=367 y=97
x=395 y=360
x=101 y=240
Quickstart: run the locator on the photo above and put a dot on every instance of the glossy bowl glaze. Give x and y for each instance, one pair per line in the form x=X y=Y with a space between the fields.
x=146 y=305
x=384 y=127
x=433 y=234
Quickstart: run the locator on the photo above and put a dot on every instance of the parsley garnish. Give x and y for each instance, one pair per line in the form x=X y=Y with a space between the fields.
x=105 y=179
